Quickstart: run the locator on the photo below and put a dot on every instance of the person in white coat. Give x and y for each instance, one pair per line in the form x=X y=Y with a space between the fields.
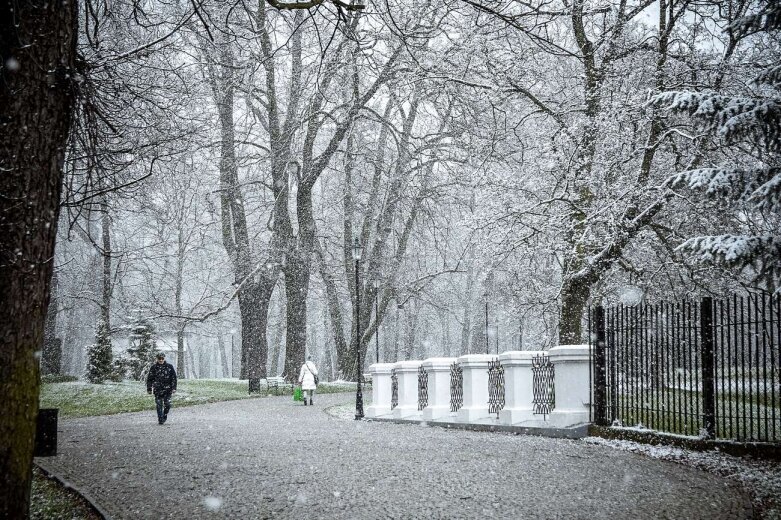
x=307 y=377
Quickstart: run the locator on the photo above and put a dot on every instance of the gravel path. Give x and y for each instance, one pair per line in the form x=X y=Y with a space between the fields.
x=272 y=458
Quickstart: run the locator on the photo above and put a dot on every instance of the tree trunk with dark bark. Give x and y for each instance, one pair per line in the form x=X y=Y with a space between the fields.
x=223 y=356
x=180 y=351
x=296 y=289
x=253 y=305
x=574 y=298
x=180 y=256
x=106 y=288
x=254 y=296
x=333 y=305
x=37 y=50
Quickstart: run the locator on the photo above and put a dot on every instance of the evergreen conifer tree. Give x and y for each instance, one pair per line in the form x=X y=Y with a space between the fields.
x=142 y=347
x=753 y=122
x=99 y=357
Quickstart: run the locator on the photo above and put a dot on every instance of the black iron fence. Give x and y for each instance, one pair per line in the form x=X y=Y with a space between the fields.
x=495 y=386
x=707 y=368
x=456 y=387
x=422 y=388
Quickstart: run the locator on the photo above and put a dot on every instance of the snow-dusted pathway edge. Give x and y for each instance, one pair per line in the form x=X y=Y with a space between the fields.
x=761 y=478
x=264 y=458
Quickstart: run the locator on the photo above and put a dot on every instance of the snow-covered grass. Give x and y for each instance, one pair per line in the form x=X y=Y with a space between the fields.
x=49 y=499
x=745 y=416
x=759 y=478
x=81 y=399
x=347 y=410
x=333 y=387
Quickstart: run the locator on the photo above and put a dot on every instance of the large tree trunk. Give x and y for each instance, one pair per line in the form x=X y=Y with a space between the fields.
x=276 y=356
x=37 y=49
x=296 y=290
x=253 y=305
x=574 y=297
x=254 y=296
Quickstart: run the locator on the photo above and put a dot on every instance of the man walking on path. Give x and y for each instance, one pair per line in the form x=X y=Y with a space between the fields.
x=162 y=380
x=308 y=379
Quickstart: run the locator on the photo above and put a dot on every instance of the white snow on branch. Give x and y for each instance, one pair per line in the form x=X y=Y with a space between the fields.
x=760 y=187
x=732 y=118
x=733 y=249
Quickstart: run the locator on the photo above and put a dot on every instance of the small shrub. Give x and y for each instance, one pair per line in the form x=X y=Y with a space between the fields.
x=120 y=370
x=58 y=378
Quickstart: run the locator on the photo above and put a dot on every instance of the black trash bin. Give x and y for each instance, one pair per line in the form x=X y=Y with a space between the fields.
x=46 y=433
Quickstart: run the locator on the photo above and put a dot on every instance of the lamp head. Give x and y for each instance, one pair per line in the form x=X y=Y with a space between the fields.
x=357 y=249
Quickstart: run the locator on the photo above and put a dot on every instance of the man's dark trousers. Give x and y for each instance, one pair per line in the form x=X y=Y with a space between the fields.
x=163 y=402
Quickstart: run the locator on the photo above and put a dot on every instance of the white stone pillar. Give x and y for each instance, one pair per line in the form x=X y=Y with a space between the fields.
x=518 y=386
x=438 y=370
x=475 y=367
x=407 y=374
x=571 y=380
x=381 y=390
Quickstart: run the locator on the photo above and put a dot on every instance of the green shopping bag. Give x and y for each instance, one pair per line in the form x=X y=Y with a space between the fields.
x=297 y=394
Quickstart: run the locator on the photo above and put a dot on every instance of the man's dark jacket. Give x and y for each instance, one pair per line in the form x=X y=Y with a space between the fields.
x=161 y=378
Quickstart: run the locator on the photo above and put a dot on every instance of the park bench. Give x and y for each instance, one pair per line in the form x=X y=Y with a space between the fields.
x=277 y=383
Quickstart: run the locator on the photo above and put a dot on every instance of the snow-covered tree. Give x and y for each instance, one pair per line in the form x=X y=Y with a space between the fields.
x=99 y=357
x=142 y=347
x=750 y=123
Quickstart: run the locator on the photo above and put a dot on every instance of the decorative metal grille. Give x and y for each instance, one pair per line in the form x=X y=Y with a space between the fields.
x=544 y=397
x=422 y=388
x=394 y=389
x=495 y=386
x=456 y=387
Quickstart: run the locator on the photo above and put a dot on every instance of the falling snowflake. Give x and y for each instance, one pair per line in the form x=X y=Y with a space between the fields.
x=212 y=503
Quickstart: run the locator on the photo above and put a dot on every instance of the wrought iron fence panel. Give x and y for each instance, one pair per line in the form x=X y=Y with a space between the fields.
x=456 y=387
x=422 y=388
x=543 y=389
x=495 y=386
x=707 y=368
x=394 y=389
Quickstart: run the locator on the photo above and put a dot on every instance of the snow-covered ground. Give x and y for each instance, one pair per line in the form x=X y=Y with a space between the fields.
x=273 y=458
x=760 y=478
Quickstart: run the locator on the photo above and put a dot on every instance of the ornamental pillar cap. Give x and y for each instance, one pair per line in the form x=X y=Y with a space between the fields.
x=381 y=368
x=519 y=357
x=442 y=363
x=407 y=366
x=570 y=353
x=472 y=360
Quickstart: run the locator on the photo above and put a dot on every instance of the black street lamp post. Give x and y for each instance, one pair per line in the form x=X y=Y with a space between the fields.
x=357 y=250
